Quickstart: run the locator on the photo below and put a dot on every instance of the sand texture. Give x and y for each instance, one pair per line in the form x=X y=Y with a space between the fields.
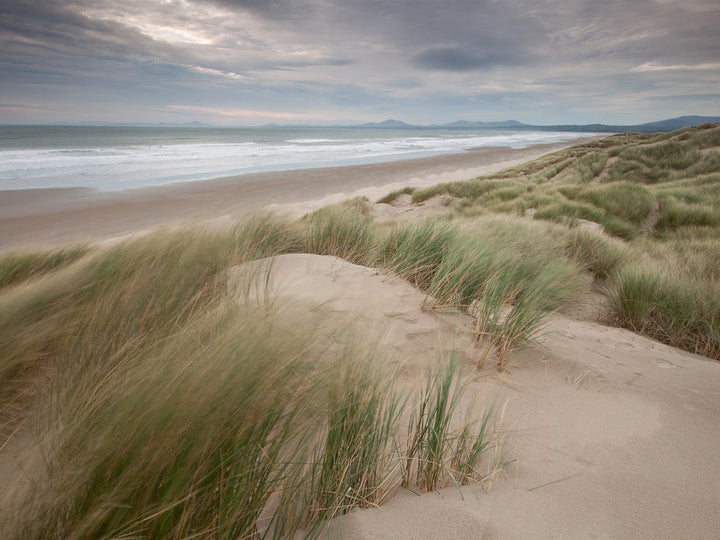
x=614 y=435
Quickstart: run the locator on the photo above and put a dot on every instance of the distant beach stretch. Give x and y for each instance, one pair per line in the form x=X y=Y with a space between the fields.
x=75 y=211
x=113 y=158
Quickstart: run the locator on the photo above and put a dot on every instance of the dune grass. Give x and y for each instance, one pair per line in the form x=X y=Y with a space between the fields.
x=20 y=266
x=393 y=195
x=669 y=305
x=341 y=230
x=439 y=450
x=497 y=263
x=596 y=252
x=162 y=409
x=355 y=466
x=657 y=194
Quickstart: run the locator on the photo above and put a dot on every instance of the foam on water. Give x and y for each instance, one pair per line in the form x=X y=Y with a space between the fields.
x=119 y=164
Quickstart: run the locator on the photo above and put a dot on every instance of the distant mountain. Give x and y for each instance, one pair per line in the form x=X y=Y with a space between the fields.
x=661 y=126
x=670 y=124
x=392 y=124
x=678 y=123
x=459 y=124
x=652 y=127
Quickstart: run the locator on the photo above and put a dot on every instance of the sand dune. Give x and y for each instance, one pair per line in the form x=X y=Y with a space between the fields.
x=614 y=435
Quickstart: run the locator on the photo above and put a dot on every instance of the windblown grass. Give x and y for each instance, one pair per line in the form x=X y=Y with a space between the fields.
x=20 y=266
x=415 y=251
x=171 y=437
x=596 y=252
x=439 y=451
x=512 y=312
x=496 y=262
x=672 y=307
x=343 y=230
x=393 y=195
x=356 y=462
x=165 y=410
x=658 y=194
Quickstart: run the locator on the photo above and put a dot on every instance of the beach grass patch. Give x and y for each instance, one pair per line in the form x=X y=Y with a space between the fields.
x=19 y=266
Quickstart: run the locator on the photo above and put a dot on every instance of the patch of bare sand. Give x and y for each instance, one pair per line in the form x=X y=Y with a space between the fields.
x=403 y=208
x=615 y=435
x=340 y=297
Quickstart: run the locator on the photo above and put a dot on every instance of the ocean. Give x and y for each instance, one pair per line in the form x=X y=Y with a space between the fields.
x=112 y=158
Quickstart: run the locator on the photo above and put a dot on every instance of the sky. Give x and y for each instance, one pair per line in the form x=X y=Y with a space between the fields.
x=252 y=62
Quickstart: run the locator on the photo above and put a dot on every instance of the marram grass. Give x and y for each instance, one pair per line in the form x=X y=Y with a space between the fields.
x=164 y=410
x=656 y=194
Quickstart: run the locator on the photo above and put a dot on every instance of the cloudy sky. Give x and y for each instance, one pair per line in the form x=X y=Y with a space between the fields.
x=246 y=62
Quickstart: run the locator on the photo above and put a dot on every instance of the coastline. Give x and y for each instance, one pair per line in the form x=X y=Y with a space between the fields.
x=57 y=216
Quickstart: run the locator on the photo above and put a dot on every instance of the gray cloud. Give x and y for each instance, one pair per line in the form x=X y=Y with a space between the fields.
x=457 y=59
x=434 y=60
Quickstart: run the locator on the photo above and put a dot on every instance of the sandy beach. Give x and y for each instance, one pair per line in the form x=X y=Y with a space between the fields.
x=612 y=433
x=49 y=217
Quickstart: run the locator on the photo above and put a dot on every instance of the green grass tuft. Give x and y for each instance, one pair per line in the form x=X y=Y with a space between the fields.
x=20 y=266
x=393 y=195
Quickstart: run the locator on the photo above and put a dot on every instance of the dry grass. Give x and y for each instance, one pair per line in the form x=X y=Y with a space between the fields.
x=618 y=183
x=163 y=409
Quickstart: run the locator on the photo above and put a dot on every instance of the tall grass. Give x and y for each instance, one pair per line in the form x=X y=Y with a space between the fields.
x=439 y=450
x=596 y=252
x=356 y=463
x=616 y=182
x=179 y=440
x=20 y=266
x=513 y=307
x=393 y=195
x=677 y=309
x=169 y=412
x=498 y=263
x=415 y=251
x=113 y=301
x=343 y=230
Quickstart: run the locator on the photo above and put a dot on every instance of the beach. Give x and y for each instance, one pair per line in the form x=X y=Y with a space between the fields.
x=593 y=430
x=51 y=217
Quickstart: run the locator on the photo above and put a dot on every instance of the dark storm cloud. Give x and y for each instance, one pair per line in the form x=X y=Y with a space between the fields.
x=370 y=55
x=456 y=59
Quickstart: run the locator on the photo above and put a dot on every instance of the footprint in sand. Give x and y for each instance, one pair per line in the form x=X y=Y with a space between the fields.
x=665 y=364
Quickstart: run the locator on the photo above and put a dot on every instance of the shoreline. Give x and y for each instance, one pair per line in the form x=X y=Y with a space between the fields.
x=52 y=217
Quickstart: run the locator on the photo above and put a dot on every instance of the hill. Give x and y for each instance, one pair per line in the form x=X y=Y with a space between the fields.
x=660 y=126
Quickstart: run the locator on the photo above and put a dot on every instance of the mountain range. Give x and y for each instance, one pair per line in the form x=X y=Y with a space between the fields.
x=670 y=124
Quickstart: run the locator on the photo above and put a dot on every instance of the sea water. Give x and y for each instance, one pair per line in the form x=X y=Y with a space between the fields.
x=114 y=157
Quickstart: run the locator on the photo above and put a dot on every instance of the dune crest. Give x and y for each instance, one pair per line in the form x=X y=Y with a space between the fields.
x=614 y=434
x=341 y=297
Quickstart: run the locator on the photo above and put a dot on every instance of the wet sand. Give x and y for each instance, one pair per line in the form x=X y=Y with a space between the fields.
x=52 y=217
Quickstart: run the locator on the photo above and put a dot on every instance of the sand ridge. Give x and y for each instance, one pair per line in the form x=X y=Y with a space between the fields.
x=614 y=435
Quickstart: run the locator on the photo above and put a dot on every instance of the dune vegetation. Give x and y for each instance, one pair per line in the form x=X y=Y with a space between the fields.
x=162 y=407
x=656 y=198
